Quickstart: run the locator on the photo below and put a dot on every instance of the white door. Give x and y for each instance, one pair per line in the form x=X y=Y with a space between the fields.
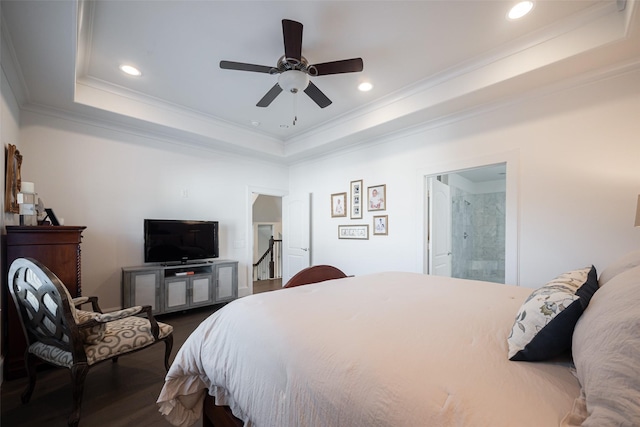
x=439 y=228
x=295 y=235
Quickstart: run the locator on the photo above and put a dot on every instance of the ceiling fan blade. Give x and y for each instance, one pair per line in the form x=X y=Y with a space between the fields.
x=270 y=96
x=336 y=67
x=230 y=65
x=317 y=95
x=292 y=35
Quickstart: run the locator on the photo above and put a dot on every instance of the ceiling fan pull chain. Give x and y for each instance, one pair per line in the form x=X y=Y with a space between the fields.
x=295 y=105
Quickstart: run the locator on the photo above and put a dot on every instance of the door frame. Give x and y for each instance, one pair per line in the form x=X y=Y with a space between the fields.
x=512 y=223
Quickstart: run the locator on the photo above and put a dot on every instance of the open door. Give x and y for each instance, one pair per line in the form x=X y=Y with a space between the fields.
x=439 y=228
x=296 y=233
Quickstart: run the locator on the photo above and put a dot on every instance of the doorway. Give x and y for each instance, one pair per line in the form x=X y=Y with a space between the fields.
x=467 y=223
x=267 y=239
x=294 y=228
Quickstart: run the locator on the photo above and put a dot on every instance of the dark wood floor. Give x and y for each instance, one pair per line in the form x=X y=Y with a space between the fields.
x=115 y=395
x=266 y=285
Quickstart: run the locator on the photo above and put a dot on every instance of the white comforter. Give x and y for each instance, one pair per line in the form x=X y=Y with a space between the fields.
x=390 y=349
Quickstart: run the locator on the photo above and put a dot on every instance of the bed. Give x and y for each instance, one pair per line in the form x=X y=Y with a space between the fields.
x=406 y=349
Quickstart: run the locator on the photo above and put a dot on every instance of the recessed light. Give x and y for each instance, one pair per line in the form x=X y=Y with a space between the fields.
x=520 y=10
x=255 y=123
x=365 y=86
x=131 y=70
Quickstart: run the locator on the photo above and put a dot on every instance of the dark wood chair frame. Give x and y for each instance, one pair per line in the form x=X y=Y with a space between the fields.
x=314 y=274
x=64 y=327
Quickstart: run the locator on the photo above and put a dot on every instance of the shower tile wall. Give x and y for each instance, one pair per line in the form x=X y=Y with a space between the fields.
x=478 y=235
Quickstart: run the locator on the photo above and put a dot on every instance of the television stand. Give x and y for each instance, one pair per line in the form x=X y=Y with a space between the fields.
x=176 y=287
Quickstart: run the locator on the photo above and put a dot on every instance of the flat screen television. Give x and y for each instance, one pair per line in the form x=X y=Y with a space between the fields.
x=179 y=241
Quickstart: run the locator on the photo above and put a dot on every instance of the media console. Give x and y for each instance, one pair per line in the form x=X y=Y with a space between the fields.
x=170 y=288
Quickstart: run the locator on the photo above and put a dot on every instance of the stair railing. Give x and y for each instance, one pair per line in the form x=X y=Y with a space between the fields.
x=269 y=266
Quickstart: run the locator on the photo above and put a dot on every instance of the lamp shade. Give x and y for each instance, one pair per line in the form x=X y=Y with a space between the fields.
x=638 y=213
x=293 y=81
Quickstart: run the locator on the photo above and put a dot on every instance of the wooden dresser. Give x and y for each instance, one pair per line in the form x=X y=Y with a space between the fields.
x=57 y=247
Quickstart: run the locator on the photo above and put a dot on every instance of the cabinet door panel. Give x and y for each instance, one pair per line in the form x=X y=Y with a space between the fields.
x=225 y=283
x=175 y=294
x=145 y=290
x=201 y=290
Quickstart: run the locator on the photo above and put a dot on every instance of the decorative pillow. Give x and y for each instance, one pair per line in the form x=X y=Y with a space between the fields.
x=544 y=325
x=625 y=263
x=94 y=334
x=606 y=349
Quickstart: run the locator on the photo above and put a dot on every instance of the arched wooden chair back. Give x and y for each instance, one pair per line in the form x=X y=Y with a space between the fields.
x=315 y=274
x=43 y=305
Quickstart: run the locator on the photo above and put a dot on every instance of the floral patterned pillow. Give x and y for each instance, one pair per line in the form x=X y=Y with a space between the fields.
x=543 y=327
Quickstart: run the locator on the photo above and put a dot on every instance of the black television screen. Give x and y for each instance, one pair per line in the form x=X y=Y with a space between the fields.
x=179 y=241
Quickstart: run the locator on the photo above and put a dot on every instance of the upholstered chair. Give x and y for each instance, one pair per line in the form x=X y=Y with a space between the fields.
x=62 y=335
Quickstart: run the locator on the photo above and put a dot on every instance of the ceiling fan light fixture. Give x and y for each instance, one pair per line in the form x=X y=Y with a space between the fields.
x=293 y=81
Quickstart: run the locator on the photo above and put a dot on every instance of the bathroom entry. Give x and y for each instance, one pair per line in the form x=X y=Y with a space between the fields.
x=466 y=223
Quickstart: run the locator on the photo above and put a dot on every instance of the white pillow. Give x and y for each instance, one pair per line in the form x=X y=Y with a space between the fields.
x=628 y=261
x=606 y=352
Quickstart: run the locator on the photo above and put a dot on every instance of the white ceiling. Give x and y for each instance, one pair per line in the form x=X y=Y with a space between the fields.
x=427 y=60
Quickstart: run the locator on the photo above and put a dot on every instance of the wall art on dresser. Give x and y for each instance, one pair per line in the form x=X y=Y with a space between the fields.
x=380 y=225
x=338 y=205
x=12 y=179
x=356 y=199
x=377 y=197
x=359 y=232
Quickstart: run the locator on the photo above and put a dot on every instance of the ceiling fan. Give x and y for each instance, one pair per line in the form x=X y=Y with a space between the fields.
x=294 y=70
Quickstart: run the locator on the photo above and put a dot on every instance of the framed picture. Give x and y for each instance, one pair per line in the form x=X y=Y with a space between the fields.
x=380 y=225
x=356 y=199
x=377 y=197
x=359 y=232
x=339 y=205
x=12 y=179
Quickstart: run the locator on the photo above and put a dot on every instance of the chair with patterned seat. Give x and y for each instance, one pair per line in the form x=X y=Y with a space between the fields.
x=61 y=335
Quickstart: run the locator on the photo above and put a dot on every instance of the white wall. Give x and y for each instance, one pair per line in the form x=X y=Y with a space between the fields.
x=110 y=180
x=578 y=180
x=9 y=132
